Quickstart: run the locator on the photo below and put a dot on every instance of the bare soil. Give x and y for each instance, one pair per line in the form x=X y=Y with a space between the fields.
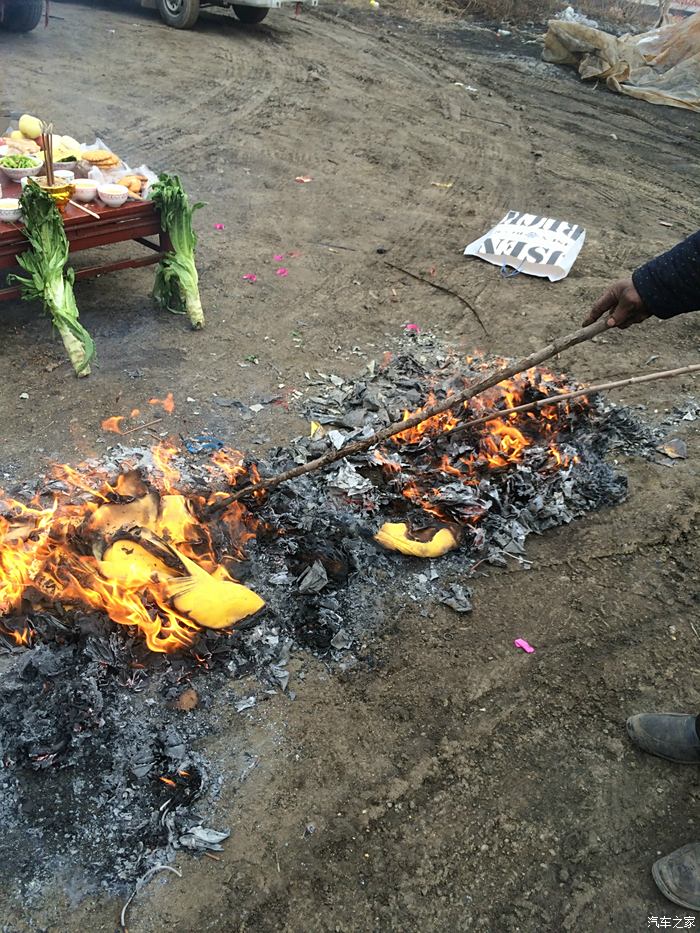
x=453 y=782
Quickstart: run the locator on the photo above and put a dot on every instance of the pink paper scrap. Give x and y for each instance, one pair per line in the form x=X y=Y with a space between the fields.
x=250 y=277
x=521 y=643
x=219 y=227
x=279 y=257
x=412 y=329
x=282 y=272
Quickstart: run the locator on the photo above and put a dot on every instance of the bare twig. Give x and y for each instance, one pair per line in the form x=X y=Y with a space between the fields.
x=141 y=427
x=140 y=883
x=440 y=288
x=567 y=396
x=695 y=630
x=452 y=401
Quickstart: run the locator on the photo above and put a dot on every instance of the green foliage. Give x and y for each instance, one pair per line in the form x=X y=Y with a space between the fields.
x=49 y=279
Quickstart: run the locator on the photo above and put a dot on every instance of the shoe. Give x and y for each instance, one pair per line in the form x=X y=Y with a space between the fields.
x=668 y=735
x=677 y=876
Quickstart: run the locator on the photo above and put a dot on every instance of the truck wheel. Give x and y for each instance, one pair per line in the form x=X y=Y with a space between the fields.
x=250 y=14
x=22 y=15
x=180 y=14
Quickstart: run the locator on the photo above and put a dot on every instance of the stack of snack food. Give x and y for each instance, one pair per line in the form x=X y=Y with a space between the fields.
x=103 y=159
x=135 y=182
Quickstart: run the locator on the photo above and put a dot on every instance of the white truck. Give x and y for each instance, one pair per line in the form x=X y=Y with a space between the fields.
x=183 y=14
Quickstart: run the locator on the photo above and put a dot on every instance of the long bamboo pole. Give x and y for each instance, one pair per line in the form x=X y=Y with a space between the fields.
x=568 y=396
x=526 y=362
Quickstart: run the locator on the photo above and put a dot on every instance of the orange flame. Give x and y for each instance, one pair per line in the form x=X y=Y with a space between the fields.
x=113 y=424
x=501 y=442
x=167 y=403
x=40 y=563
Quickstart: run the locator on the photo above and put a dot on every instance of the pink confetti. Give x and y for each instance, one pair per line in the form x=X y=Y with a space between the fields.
x=282 y=272
x=521 y=643
x=219 y=227
x=412 y=329
x=279 y=257
x=303 y=179
x=250 y=277
x=294 y=254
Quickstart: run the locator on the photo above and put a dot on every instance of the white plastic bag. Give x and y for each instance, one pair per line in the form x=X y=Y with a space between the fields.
x=531 y=244
x=149 y=175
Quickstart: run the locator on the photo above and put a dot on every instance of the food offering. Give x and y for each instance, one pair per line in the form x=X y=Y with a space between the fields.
x=103 y=159
x=135 y=182
x=66 y=196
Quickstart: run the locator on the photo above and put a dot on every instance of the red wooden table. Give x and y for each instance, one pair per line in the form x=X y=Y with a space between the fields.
x=135 y=220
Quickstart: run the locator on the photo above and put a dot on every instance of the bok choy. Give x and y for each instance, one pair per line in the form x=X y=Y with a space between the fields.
x=49 y=279
x=177 y=283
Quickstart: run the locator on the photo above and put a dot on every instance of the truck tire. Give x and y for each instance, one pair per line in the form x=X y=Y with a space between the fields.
x=21 y=15
x=180 y=14
x=250 y=14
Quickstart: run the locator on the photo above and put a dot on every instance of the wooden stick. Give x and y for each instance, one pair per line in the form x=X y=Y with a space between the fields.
x=85 y=210
x=141 y=427
x=567 y=396
x=441 y=288
x=534 y=359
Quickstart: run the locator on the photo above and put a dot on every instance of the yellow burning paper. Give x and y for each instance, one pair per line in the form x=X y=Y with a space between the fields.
x=208 y=600
x=429 y=542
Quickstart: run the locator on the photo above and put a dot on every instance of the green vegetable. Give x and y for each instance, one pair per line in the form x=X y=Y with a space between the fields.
x=176 y=287
x=49 y=280
x=18 y=161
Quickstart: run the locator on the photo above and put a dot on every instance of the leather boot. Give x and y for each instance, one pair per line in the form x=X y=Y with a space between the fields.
x=677 y=876
x=668 y=735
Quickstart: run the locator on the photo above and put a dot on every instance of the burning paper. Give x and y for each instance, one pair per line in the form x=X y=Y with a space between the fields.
x=426 y=542
x=531 y=244
x=134 y=551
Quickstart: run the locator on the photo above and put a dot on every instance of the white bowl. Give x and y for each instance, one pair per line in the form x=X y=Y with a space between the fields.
x=9 y=209
x=113 y=195
x=15 y=174
x=65 y=175
x=85 y=190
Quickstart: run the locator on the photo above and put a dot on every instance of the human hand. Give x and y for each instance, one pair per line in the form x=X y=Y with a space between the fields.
x=623 y=303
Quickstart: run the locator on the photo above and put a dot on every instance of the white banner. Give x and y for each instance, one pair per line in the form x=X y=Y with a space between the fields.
x=531 y=244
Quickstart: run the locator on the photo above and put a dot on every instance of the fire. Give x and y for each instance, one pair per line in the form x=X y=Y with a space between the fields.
x=113 y=424
x=504 y=444
x=132 y=548
x=167 y=403
x=438 y=424
x=501 y=442
x=22 y=639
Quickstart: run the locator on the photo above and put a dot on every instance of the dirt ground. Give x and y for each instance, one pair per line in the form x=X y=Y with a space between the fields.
x=454 y=783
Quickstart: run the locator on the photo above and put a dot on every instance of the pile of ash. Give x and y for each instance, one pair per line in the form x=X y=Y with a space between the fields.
x=99 y=780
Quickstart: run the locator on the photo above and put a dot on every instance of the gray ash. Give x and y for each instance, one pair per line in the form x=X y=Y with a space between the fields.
x=98 y=776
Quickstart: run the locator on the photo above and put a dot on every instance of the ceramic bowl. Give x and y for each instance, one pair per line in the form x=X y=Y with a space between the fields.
x=85 y=190
x=113 y=195
x=15 y=174
x=9 y=210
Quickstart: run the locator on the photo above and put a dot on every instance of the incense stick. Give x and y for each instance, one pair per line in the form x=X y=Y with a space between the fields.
x=47 y=133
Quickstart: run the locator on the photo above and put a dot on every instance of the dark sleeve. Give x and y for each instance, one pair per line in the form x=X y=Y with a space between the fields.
x=670 y=284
